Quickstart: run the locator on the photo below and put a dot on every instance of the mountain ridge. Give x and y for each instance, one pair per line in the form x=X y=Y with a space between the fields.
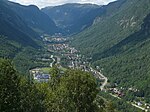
x=14 y=27
x=35 y=18
x=67 y=16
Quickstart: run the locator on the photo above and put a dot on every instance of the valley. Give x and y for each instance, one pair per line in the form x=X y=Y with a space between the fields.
x=64 y=56
x=75 y=57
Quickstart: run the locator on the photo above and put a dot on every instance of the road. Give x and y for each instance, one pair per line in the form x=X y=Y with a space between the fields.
x=51 y=64
x=139 y=107
x=101 y=77
x=104 y=83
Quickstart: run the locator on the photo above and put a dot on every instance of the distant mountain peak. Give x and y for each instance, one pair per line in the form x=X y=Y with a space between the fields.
x=65 y=16
x=33 y=6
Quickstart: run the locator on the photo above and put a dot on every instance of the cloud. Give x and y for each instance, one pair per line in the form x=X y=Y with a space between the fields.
x=44 y=3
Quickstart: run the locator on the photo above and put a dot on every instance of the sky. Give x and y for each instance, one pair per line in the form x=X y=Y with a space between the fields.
x=44 y=3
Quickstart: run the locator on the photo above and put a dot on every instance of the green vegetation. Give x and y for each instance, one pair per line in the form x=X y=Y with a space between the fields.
x=112 y=29
x=34 y=17
x=120 y=45
x=66 y=17
x=15 y=29
x=24 y=58
x=17 y=95
x=130 y=69
x=118 y=42
x=45 y=69
x=30 y=58
x=120 y=104
x=74 y=91
x=18 y=41
x=9 y=89
x=127 y=63
x=8 y=49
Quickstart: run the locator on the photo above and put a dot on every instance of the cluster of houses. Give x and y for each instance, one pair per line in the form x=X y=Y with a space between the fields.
x=73 y=50
x=142 y=105
x=133 y=89
x=38 y=76
x=117 y=92
x=57 y=47
x=55 y=39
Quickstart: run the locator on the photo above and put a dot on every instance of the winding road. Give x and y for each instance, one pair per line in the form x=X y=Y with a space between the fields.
x=105 y=81
x=101 y=77
x=51 y=64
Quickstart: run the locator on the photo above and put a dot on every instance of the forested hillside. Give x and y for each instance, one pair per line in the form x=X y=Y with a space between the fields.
x=129 y=61
x=12 y=26
x=120 y=45
x=18 y=41
x=34 y=18
x=114 y=28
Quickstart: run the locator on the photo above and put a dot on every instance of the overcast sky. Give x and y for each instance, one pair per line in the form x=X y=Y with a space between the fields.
x=44 y=3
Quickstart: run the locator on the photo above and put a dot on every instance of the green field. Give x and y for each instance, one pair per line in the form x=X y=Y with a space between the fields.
x=46 y=69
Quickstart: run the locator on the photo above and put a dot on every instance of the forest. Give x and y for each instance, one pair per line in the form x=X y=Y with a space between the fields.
x=73 y=91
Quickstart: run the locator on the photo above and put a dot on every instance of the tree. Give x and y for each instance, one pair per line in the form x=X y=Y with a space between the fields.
x=76 y=91
x=82 y=89
x=31 y=97
x=9 y=90
x=16 y=94
x=55 y=77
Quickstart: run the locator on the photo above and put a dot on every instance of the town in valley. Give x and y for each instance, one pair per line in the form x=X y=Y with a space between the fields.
x=64 y=56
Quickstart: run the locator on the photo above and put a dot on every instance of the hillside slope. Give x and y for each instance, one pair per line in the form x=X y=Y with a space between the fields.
x=114 y=28
x=18 y=41
x=35 y=18
x=128 y=62
x=12 y=26
x=120 y=45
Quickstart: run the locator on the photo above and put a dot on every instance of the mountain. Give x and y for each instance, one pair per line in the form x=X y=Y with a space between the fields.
x=68 y=17
x=14 y=28
x=113 y=27
x=119 y=43
x=18 y=41
x=35 y=18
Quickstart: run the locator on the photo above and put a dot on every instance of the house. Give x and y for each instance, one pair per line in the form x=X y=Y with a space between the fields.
x=40 y=77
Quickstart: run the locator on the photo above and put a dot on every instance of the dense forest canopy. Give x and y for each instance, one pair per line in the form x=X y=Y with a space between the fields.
x=74 y=91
